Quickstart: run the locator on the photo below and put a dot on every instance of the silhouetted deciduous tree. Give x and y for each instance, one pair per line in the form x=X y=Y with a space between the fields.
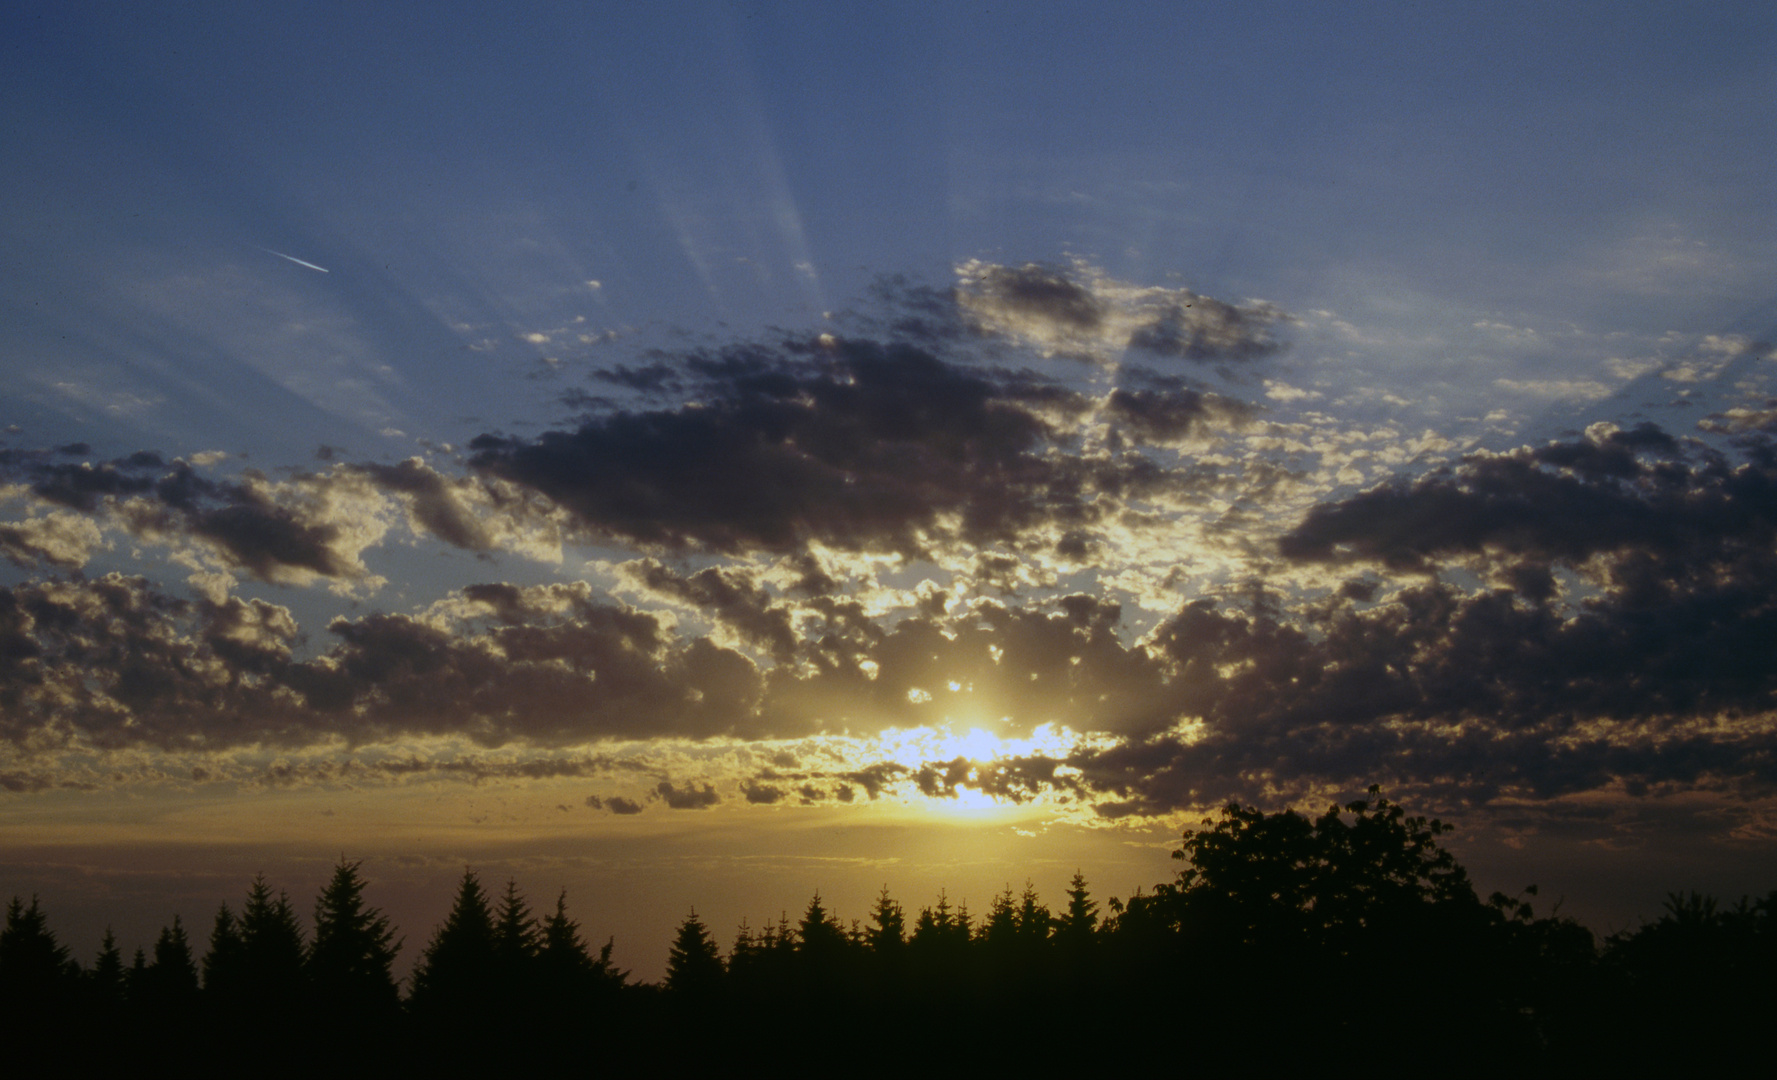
x=1363 y=892
x=1693 y=989
x=1291 y=883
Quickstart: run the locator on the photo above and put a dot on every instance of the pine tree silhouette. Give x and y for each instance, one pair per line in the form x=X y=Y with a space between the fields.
x=694 y=966
x=1076 y=927
x=888 y=930
x=105 y=981
x=225 y=963
x=455 y=974
x=350 y=963
x=274 y=976
x=568 y=967
x=169 y=984
x=38 y=983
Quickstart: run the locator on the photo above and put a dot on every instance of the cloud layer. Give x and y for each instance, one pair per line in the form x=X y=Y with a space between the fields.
x=839 y=536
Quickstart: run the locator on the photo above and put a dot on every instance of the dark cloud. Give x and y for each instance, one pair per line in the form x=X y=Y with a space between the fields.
x=81 y=486
x=617 y=804
x=1037 y=291
x=559 y=668
x=853 y=444
x=877 y=778
x=763 y=794
x=1610 y=630
x=55 y=540
x=471 y=769
x=269 y=541
x=274 y=534
x=1203 y=328
x=1655 y=674
x=916 y=312
x=656 y=377
x=1031 y=664
x=1011 y=779
x=730 y=594
x=1611 y=492
x=1164 y=416
x=1081 y=313
x=690 y=797
x=117 y=663
x=1744 y=418
x=435 y=502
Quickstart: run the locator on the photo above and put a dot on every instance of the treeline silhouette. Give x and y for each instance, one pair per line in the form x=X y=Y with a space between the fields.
x=1346 y=943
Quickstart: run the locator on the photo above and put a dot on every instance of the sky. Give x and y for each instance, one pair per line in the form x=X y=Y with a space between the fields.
x=703 y=455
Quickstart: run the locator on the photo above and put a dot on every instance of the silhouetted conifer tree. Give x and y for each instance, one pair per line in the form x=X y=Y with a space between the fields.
x=999 y=930
x=746 y=944
x=515 y=932
x=888 y=930
x=33 y=965
x=1034 y=919
x=938 y=950
x=455 y=973
x=105 y=981
x=823 y=954
x=38 y=985
x=941 y=928
x=567 y=966
x=350 y=964
x=225 y=963
x=1076 y=927
x=819 y=935
x=694 y=966
x=1074 y=944
x=135 y=980
x=170 y=981
x=576 y=996
x=274 y=977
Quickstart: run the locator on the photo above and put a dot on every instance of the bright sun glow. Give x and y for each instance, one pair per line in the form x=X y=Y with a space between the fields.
x=914 y=747
x=978 y=746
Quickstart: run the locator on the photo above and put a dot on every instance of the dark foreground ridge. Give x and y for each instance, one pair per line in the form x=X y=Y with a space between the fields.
x=1348 y=943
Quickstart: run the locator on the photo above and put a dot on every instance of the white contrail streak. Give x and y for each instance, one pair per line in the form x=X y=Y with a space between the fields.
x=295 y=260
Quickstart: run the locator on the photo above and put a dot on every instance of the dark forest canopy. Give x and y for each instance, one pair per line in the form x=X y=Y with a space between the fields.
x=1349 y=939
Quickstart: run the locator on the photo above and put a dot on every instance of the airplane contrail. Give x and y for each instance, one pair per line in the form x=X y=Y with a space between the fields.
x=294 y=259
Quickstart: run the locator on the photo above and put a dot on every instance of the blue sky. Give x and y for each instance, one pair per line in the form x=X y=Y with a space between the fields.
x=1187 y=312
